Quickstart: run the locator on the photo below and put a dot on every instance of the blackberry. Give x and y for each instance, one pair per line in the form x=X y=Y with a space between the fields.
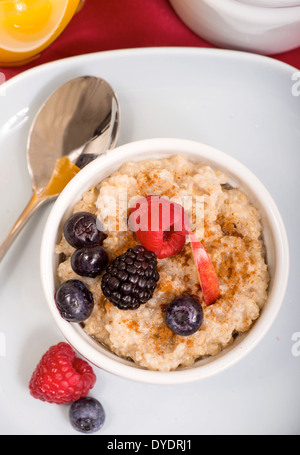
x=131 y=279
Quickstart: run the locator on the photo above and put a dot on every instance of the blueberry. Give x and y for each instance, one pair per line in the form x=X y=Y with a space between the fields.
x=89 y=262
x=82 y=230
x=74 y=301
x=184 y=316
x=87 y=415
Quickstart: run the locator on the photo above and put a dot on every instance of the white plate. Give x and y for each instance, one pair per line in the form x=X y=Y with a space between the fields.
x=244 y=104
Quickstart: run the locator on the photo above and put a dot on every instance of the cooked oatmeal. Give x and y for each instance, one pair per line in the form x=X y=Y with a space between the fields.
x=231 y=232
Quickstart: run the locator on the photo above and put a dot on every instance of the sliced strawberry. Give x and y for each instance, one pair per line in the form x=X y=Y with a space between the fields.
x=159 y=225
x=206 y=271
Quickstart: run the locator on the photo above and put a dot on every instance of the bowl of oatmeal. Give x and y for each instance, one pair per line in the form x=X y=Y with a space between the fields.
x=234 y=225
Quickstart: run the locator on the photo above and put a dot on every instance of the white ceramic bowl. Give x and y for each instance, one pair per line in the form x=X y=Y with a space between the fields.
x=262 y=26
x=274 y=236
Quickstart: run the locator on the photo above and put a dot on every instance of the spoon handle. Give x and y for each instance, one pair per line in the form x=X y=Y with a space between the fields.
x=35 y=202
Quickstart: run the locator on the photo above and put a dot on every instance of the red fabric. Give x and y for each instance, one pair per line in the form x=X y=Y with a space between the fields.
x=119 y=24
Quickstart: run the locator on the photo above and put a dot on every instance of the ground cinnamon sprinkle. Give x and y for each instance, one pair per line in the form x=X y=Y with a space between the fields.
x=189 y=343
x=132 y=325
x=229 y=227
x=131 y=242
x=165 y=286
x=186 y=255
x=228 y=272
x=161 y=337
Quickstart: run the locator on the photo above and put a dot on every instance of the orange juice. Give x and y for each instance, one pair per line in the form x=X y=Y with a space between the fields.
x=27 y=27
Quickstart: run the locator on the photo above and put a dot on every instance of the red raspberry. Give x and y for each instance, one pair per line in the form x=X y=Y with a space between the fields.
x=61 y=377
x=160 y=225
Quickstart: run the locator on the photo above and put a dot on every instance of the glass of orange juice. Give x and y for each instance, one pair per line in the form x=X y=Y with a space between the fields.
x=27 y=27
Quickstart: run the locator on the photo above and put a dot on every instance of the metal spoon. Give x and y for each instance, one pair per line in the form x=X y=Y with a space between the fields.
x=76 y=124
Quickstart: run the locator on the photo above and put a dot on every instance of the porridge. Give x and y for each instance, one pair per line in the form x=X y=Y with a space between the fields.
x=230 y=231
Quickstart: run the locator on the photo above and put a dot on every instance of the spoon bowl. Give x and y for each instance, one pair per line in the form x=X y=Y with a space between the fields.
x=76 y=124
